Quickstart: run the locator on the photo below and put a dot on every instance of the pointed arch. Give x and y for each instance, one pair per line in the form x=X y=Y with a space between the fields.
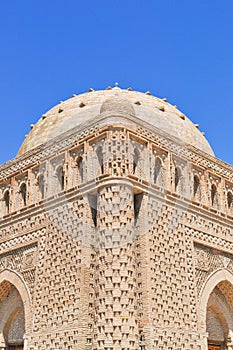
x=229 y=200
x=158 y=171
x=41 y=186
x=196 y=187
x=60 y=178
x=213 y=280
x=178 y=179
x=7 y=200
x=220 y=308
x=17 y=281
x=23 y=192
x=80 y=168
x=214 y=196
x=99 y=154
x=136 y=156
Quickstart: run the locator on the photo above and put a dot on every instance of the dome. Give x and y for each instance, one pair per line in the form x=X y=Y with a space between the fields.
x=117 y=104
x=84 y=108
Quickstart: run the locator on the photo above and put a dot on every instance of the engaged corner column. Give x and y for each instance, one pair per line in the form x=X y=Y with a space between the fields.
x=116 y=305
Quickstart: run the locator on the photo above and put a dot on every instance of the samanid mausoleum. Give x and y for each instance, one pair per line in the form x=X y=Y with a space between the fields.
x=116 y=231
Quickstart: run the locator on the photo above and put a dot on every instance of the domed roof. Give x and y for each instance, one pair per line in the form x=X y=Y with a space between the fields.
x=81 y=109
x=117 y=104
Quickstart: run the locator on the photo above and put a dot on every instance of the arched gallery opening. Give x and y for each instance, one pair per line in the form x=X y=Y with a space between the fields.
x=12 y=318
x=219 y=317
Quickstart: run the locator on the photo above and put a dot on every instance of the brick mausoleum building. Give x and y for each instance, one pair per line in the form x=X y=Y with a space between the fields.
x=116 y=231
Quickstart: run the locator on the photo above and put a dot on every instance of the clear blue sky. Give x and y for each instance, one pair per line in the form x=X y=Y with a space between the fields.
x=180 y=49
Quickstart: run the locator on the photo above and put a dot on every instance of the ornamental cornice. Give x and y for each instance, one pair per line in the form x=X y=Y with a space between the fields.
x=190 y=153
x=210 y=240
x=22 y=240
x=135 y=125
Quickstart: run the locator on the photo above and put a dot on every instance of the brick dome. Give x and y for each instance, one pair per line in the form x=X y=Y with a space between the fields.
x=84 y=108
x=117 y=104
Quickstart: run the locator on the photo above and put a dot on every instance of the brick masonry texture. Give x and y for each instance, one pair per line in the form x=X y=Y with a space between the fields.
x=115 y=235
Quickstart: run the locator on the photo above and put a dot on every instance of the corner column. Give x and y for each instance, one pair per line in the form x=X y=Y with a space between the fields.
x=116 y=302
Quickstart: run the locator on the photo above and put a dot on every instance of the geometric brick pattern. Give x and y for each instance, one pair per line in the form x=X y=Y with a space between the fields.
x=116 y=254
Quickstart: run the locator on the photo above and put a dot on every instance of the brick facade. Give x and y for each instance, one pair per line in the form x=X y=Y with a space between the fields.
x=116 y=235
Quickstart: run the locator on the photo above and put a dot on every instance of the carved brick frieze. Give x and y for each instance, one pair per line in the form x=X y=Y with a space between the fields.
x=189 y=153
x=21 y=240
x=23 y=261
x=207 y=225
x=215 y=241
x=22 y=227
x=71 y=137
x=56 y=145
x=208 y=260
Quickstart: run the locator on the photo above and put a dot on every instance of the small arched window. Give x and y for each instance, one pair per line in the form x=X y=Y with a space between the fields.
x=135 y=159
x=23 y=193
x=137 y=206
x=61 y=178
x=157 y=171
x=6 y=199
x=229 y=200
x=178 y=175
x=213 y=195
x=99 y=153
x=196 y=186
x=41 y=185
x=80 y=168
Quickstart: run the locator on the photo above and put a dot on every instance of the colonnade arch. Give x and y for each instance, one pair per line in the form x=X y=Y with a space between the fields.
x=15 y=311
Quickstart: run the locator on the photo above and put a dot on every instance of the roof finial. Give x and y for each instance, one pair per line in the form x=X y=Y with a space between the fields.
x=116 y=84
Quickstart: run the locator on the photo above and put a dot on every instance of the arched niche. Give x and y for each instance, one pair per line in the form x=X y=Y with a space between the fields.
x=215 y=312
x=15 y=311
